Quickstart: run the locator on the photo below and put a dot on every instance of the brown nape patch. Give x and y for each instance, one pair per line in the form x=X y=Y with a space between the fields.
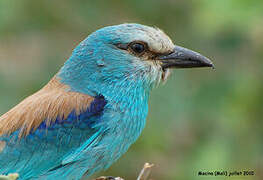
x=52 y=101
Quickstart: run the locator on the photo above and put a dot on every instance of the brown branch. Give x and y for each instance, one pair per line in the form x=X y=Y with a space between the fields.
x=144 y=174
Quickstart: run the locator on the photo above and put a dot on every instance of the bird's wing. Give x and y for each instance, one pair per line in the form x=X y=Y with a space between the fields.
x=51 y=102
x=37 y=134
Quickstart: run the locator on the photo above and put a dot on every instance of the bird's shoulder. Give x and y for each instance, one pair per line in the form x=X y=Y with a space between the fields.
x=54 y=102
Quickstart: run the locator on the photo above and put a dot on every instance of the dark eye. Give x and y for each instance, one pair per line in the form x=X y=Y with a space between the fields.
x=138 y=48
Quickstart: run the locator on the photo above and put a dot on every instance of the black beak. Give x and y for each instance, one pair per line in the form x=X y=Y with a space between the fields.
x=184 y=58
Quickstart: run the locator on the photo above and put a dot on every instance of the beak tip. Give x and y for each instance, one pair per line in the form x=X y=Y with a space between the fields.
x=207 y=62
x=213 y=66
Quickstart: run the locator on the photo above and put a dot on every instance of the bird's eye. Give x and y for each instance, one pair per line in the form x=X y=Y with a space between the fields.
x=138 y=48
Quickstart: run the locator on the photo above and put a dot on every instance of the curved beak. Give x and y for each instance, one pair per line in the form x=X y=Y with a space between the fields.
x=184 y=58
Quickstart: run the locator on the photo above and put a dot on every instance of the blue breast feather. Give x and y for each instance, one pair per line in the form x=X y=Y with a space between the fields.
x=44 y=150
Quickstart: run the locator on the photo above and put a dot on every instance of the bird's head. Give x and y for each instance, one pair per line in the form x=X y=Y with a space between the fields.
x=125 y=56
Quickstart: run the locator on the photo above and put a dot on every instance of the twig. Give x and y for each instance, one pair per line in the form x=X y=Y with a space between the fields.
x=145 y=172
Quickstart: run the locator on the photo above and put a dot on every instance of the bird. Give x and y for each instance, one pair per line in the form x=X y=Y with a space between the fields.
x=94 y=108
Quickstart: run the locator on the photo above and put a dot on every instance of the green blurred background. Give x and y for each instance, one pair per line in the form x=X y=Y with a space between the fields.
x=201 y=119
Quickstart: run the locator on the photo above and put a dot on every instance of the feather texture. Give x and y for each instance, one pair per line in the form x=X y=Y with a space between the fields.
x=46 y=145
x=90 y=113
x=52 y=102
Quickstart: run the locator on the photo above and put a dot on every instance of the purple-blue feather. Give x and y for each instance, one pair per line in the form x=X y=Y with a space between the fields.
x=95 y=108
x=64 y=135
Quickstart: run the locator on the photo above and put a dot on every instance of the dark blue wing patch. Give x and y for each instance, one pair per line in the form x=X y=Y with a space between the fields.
x=46 y=147
x=82 y=120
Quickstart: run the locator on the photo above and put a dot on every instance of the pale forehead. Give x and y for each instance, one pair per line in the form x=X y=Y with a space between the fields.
x=156 y=39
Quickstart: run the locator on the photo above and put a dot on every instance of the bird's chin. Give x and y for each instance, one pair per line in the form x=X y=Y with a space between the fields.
x=165 y=74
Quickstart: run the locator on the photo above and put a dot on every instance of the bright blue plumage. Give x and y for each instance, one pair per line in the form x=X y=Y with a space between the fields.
x=105 y=85
x=66 y=135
